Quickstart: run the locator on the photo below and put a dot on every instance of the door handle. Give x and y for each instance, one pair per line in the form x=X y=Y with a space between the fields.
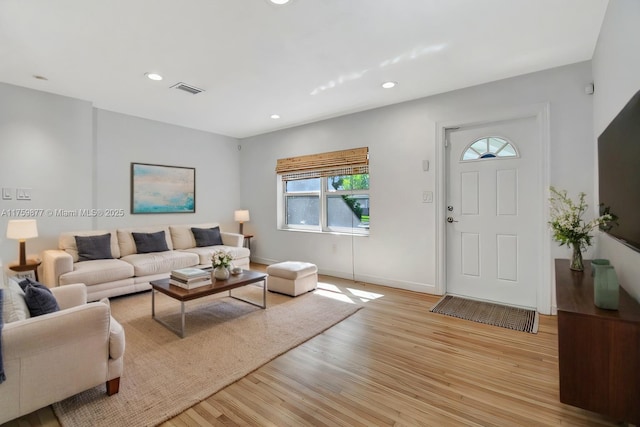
x=450 y=219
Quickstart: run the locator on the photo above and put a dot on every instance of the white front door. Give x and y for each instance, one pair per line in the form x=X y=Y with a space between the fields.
x=493 y=215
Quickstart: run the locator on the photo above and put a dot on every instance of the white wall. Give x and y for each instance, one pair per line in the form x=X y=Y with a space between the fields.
x=401 y=248
x=45 y=145
x=616 y=70
x=123 y=139
x=74 y=156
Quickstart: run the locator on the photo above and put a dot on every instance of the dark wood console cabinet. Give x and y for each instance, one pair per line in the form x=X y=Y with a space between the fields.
x=598 y=350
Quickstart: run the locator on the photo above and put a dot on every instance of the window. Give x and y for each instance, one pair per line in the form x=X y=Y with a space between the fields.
x=326 y=192
x=302 y=202
x=348 y=201
x=489 y=148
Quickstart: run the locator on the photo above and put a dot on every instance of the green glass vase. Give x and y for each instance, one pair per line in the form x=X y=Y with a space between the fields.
x=606 y=289
x=598 y=262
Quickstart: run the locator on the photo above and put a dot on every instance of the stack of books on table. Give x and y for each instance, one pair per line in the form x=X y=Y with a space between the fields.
x=189 y=278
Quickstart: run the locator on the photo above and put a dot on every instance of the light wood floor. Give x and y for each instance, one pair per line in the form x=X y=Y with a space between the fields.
x=395 y=363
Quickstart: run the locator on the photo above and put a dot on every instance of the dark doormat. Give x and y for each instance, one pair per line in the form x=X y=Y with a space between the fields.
x=519 y=319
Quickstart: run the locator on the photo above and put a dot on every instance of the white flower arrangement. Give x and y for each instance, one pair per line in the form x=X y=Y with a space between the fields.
x=221 y=259
x=566 y=220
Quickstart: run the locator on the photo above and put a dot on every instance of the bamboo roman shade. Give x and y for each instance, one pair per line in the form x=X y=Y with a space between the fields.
x=344 y=162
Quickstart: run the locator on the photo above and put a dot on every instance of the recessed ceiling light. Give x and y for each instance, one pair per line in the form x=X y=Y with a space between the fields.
x=275 y=116
x=279 y=2
x=154 y=76
x=389 y=85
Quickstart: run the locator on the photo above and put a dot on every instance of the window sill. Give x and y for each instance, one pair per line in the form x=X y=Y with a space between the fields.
x=335 y=233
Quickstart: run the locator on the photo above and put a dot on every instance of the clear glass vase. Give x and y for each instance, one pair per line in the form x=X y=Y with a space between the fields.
x=576 y=258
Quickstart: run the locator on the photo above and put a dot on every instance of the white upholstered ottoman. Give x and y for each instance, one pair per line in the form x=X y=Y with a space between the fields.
x=292 y=277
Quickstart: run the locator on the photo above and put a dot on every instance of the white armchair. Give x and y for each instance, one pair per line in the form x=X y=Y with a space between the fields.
x=54 y=356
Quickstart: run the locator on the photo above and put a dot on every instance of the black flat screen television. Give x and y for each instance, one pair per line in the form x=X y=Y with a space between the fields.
x=619 y=173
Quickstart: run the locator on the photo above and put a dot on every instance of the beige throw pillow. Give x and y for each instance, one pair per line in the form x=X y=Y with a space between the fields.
x=14 y=307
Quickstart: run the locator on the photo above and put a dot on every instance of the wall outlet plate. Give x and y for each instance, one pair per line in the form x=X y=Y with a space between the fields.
x=23 y=194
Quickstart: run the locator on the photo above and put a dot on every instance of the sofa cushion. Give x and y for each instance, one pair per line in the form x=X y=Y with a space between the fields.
x=160 y=262
x=14 y=307
x=94 y=247
x=182 y=236
x=150 y=242
x=39 y=298
x=207 y=236
x=205 y=253
x=67 y=242
x=128 y=245
x=97 y=271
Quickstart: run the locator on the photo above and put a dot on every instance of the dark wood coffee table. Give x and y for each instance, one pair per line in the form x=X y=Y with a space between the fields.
x=247 y=277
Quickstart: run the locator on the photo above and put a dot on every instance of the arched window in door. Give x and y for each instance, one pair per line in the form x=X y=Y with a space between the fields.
x=489 y=147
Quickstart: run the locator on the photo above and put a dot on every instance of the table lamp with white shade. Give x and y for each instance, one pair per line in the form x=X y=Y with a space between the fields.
x=21 y=230
x=241 y=216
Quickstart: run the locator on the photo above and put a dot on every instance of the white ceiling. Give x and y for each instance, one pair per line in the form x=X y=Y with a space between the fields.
x=306 y=61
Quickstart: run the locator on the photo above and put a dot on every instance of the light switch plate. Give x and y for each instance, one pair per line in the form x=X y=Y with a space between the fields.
x=6 y=194
x=427 y=197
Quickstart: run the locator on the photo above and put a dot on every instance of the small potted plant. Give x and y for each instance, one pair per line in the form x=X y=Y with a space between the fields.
x=569 y=228
x=221 y=261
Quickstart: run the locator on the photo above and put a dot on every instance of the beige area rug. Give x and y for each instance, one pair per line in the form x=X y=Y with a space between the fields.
x=519 y=319
x=226 y=340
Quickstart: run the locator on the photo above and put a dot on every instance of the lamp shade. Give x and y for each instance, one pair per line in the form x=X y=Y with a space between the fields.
x=241 y=216
x=21 y=229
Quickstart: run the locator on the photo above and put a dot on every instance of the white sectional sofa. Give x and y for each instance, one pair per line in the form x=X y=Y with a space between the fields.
x=128 y=270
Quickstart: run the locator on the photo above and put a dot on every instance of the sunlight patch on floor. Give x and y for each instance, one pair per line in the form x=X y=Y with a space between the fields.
x=328 y=287
x=349 y=295
x=334 y=295
x=365 y=295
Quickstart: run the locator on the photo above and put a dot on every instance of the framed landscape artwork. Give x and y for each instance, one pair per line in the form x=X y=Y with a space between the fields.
x=162 y=189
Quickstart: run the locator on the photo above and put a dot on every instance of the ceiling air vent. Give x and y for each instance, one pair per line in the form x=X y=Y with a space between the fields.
x=187 y=88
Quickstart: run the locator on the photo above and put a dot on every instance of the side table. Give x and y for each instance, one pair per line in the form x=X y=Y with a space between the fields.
x=247 y=240
x=31 y=265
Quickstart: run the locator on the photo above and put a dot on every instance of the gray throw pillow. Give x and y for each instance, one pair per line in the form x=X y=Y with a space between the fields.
x=150 y=242
x=39 y=298
x=94 y=247
x=207 y=236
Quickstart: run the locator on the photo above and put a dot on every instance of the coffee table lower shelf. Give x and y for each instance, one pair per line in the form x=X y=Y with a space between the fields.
x=245 y=278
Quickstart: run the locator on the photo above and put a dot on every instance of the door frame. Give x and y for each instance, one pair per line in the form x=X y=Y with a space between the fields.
x=541 y=114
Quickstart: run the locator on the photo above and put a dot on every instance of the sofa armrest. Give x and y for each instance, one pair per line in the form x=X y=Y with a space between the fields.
x=55 y=263
x=70 y=295
x=232 y=239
